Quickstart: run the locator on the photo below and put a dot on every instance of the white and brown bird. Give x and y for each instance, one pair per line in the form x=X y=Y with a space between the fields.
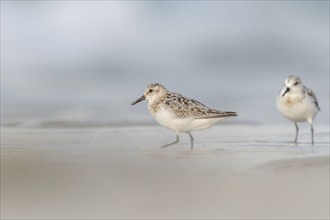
x=179 y=113
x=298 y=103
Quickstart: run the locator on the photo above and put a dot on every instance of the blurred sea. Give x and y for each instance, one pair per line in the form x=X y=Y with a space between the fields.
x=81 y=63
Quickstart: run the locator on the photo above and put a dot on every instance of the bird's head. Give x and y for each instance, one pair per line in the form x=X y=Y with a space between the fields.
x=152 y=92
x=292 y=84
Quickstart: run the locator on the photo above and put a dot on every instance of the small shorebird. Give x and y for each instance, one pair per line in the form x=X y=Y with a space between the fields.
x=178 y=113
x=298 y=103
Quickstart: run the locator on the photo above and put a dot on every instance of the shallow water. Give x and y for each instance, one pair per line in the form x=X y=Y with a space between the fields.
x=231 y=56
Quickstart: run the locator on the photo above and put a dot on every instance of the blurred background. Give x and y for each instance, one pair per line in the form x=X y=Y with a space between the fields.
x=81 y=63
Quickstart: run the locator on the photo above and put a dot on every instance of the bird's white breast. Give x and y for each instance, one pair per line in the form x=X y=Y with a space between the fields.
x=169 y=120
x=297 y=109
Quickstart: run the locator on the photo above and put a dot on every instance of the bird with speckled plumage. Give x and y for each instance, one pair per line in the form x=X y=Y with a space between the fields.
x=179 y=113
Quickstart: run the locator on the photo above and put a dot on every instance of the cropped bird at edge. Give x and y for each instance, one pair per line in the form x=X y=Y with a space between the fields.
x=298 y=103
x=179 y=113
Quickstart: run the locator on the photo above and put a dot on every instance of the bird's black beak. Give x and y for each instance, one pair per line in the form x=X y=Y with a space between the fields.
x=286 y=90
x=139 y=100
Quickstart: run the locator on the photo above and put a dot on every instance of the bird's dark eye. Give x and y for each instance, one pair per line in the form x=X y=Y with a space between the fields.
x=150 y=90
x=296 y=83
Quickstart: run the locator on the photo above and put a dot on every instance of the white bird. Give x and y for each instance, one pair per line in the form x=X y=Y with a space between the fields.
x=298 y=103
x=178 y=113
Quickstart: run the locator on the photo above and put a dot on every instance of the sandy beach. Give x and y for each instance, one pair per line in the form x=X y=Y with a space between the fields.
x=235 y=172
x=73 y=146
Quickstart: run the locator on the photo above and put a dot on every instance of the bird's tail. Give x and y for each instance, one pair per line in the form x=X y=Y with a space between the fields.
x=228 y=114
x=219 y=114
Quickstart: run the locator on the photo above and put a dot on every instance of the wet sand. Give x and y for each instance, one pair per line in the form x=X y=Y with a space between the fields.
x=234 y=172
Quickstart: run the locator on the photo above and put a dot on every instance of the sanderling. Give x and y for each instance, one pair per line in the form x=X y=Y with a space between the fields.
x=178 y=113
x=298 y=103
